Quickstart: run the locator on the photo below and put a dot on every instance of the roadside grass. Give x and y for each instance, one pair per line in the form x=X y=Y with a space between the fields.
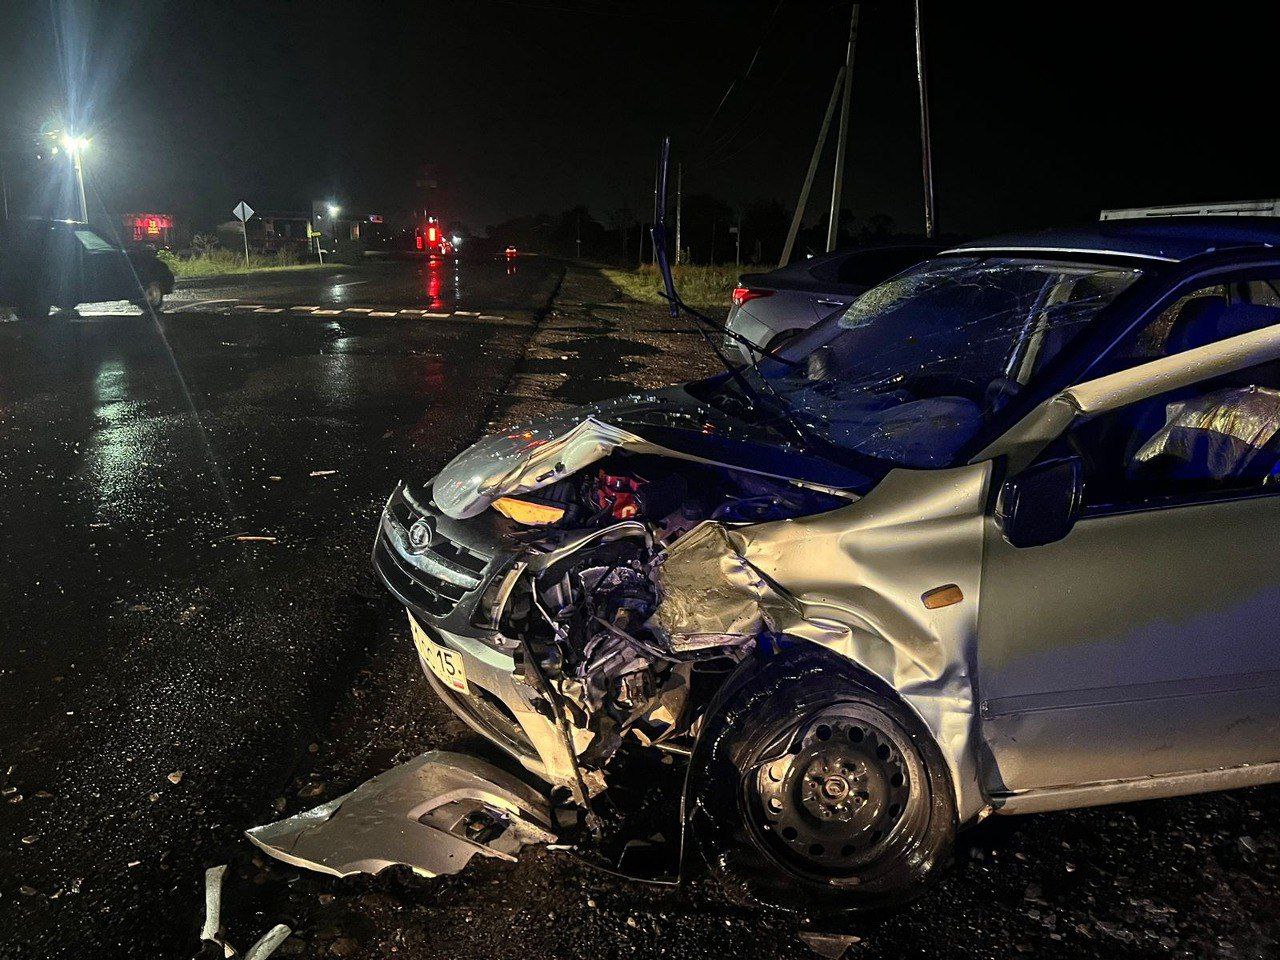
x=699 y=285
x=218 y=262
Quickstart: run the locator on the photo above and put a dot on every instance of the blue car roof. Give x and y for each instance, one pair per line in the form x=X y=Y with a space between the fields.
x=1160 y=238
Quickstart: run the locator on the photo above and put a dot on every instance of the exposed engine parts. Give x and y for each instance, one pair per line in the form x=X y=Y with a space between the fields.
x=589 y=617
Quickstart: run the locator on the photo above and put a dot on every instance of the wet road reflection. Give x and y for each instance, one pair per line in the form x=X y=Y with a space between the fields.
x=143 y=636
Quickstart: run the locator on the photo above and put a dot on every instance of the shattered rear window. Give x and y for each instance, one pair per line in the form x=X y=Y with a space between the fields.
x=910 y=373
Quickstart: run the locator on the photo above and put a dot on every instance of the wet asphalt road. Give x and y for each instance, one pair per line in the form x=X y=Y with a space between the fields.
x=160 y=676
x=142 y=641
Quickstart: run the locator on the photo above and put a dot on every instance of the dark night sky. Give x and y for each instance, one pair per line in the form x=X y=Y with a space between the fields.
x=1042 y=113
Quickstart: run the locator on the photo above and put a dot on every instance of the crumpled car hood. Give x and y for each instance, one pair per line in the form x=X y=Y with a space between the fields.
x=667 y=422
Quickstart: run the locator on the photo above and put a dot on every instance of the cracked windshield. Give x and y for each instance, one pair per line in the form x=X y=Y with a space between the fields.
x=912 y=370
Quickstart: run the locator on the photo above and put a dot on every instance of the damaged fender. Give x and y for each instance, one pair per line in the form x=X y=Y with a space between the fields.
x=852 y=580
x=432 y=814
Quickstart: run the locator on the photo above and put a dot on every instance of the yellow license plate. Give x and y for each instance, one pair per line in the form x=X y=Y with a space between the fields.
x=446 y=664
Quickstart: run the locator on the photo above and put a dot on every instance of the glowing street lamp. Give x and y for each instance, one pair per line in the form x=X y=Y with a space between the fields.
x=334 y=210
x=75 y=146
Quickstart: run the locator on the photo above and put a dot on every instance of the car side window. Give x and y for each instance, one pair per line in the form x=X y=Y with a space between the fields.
x=93 y=243
x=1202 y=316
x=1218 y=437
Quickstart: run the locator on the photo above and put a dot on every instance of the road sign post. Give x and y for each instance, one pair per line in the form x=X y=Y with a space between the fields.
x=243 y=212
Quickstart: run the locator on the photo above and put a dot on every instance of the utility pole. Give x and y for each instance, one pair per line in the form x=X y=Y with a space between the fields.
x=813 y=169
x=837 y=179
x=657 y=214
x=679 y=181
x=926 y=145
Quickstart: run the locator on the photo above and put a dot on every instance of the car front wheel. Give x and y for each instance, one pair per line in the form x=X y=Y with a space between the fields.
x=152 y=296
x=818 y=793
x=25 y=307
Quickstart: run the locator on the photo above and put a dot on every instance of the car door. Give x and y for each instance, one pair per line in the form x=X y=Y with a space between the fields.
x=1144 y=642
x=105 y=274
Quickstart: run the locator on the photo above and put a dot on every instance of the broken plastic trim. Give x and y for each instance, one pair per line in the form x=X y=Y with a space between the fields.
x=432 y=814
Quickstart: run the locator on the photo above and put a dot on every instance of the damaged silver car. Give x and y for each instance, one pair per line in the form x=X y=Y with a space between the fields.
x=995 y=540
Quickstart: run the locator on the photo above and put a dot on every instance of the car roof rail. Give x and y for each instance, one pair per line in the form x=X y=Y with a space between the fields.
x=1230 y=208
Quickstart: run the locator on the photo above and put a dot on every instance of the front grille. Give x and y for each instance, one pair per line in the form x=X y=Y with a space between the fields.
x=435 y=578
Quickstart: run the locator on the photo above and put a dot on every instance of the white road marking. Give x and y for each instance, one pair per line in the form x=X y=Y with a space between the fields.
x=382 y=313
x=269 y=310
x=248 y=306
x=201 y=303
x=359 y=310
x=325 y=313
x=465 y=313
x=490 y=316
x=302 y=308
x=419 y=312
x=437 y=316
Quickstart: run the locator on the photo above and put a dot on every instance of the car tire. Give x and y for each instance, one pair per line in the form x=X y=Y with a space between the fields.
x=31 y=307
x=152 y=296
x=818 y=793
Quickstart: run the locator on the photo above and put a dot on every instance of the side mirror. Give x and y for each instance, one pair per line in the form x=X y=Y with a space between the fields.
x=1041 y=504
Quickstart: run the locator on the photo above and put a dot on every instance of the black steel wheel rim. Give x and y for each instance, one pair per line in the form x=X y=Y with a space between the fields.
x=835 y=793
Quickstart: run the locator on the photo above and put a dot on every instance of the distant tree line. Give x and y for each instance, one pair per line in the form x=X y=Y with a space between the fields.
x=708 y=233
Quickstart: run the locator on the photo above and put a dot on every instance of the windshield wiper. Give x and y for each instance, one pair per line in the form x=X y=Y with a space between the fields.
x=703 y=322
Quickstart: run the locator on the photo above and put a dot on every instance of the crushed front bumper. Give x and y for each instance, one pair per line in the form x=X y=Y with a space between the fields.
x=449 y=575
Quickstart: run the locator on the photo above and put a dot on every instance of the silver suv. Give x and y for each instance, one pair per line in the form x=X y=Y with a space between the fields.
x=995 y=540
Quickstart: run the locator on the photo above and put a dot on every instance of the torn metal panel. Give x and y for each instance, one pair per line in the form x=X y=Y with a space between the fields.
x=851 y=580
x=710 y=593
x=432 y=814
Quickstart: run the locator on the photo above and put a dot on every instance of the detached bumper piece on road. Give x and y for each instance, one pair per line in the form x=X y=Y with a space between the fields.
x=432 y=814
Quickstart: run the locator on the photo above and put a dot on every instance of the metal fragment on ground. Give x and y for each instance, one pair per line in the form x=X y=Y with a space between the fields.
x=267 y=943
x=832 y=946
x=433 y=814
x=211 y=930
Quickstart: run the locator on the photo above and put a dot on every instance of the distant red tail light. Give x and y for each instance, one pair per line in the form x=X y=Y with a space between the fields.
x=742 y=294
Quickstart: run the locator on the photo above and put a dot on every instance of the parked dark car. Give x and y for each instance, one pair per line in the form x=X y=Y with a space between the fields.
x=770 y=308
x=64 y=263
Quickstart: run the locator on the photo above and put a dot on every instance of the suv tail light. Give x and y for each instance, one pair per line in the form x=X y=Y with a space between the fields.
x=742 y=294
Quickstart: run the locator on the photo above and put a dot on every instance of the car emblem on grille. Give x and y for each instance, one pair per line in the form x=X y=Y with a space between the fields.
x=421 y=534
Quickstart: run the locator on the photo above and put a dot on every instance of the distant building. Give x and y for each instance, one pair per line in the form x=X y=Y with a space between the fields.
x=157 y=229
x=277 y=230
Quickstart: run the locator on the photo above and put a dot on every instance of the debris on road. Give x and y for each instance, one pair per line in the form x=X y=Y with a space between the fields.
x=211 y=931
x=830 y=946
x=323 y=473
x=267 y=944
x=213 y=943
x=176 y=777
x=433 y=814
x=255 y=538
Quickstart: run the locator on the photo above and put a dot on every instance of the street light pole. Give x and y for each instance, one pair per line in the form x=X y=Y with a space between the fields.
x=84 y=207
